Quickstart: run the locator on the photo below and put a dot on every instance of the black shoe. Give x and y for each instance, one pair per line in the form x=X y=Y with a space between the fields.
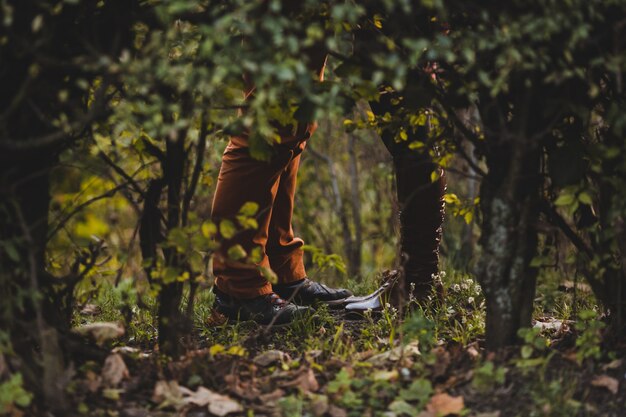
x=265 y=309
x=307 y=292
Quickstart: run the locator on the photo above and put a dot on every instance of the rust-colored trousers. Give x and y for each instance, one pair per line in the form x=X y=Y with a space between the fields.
x=272 y=185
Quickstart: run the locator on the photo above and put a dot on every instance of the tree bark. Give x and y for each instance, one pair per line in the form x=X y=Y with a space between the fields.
x=172 y=323
x=421 y=210
x=29 y=313
x=509 y=205
x=355 y=203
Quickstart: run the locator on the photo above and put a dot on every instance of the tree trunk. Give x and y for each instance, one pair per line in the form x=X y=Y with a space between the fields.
x=421 y=210
x=509 y=204
x=172 y=322
x=355 y=202
x=28 y=310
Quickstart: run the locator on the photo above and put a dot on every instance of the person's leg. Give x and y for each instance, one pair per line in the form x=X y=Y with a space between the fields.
x=243 y=179
x=284 y=250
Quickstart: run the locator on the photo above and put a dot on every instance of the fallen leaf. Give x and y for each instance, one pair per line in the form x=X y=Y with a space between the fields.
x=319 y=405
x=90 y=310
x=272 y=397
x=218 y=404
x=224 y=405
x=473 y=352
x=442 y=361
x=444 y=404
x=93 y=381
x=306 y=382
x=201 y=397
x=114 y=370
x=569 y=286
x=550 y=324
x=401 y=407
x=270 y=357
x=617 y=363
x=394 y=355
x=335 y=411
x=112 y=394
x=101 y=331
x=607 y=382
x=127 y=350
x=385 y=375
x=167 y=393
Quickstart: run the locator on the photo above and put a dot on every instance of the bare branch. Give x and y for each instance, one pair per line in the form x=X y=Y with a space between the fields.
x=81 y=206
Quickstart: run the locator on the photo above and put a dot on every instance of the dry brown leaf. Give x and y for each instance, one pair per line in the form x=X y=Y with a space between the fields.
x=444 y=404
x=306 y=381
x=167 y=393
x=272 y=397
x=93 y=381
x=335 y=411
x=394 y=355
x=201 y=397
x=270 y=357
x=383 y=375
x=224 y=405
x=607 y=382
x=90 y=310
x=319 y=405
x=101 y=331
x=473 y=352
x=442 y=361
x=549 y=324
x=617 y=363
x=218 y=404
x=114 y=370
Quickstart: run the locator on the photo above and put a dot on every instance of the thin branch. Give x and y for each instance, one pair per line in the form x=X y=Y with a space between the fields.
x=81 y=206
x=556 y=219
x=153 y=150
x=471 y=162
x=197 y=169
x=62 y=135
x=122 y=173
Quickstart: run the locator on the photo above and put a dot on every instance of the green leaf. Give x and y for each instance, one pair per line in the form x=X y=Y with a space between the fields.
x=208 y=229
x=268 y=274
x=249 y=209
x=419 y=390
x=565 y=200
x=585 y=198
x=401 y=408
x=227 y=229
x=236 y=252
x=255 y=255
x=11 y=251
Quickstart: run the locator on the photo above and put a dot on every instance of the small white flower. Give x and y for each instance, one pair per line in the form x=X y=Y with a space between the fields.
x=456 y=288
x=470 y=300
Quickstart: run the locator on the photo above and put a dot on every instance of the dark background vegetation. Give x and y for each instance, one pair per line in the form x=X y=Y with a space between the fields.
x=114 y=113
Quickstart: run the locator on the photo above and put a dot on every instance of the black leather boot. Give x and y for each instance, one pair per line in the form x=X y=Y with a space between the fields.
x=265 y=309
x=307 y=292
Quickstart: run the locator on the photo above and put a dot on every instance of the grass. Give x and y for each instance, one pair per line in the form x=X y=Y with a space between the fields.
x=348 y=358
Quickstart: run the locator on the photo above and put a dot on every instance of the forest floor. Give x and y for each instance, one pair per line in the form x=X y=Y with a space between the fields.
x=430 y=364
